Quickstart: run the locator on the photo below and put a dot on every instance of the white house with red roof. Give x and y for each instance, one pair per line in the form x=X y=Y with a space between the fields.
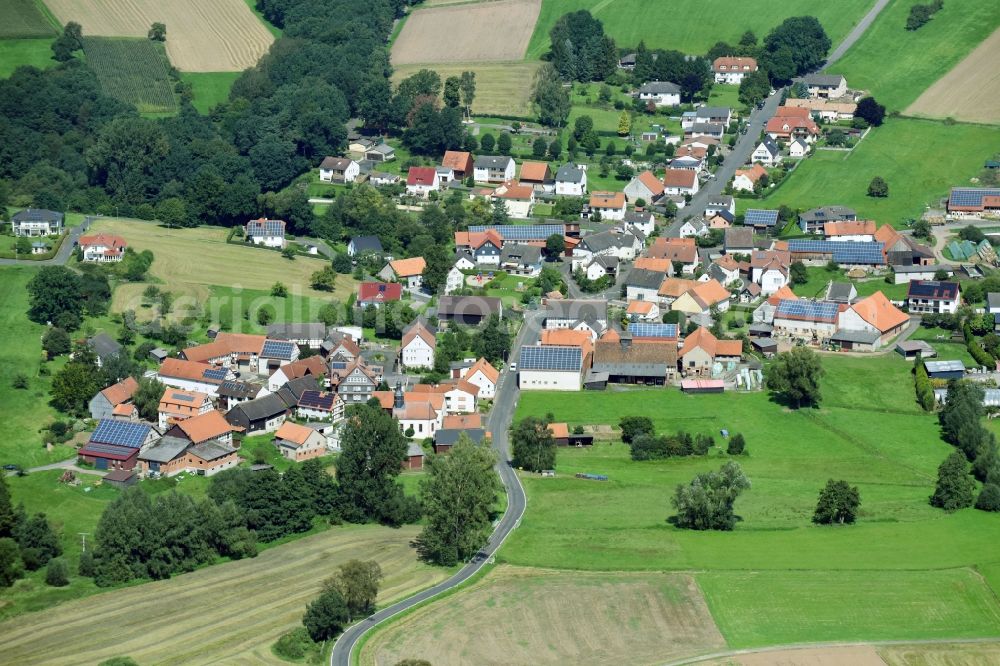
x=417 y=347
x=732 y=69
x=421 y=181
x=374 y=294
x=485 y=376
x=680 y=181
x=102 y=248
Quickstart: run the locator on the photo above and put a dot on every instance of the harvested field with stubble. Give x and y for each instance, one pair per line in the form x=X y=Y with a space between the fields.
x=216 y=36
x=478 y=32
x=970 y=91
x=942 y=654
x=228 y=613
x=520 y=615
x=502 y=88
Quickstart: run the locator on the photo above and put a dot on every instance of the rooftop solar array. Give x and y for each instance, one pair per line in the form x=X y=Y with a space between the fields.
x=121 y=433
x=266 y=228
x=278 y=349
x=215 y=373
x=650 y=330
x=971 y=196
x=317 y=399
x=522 y=232
x=338 y=365
x=844 y=252
x=756 y=217
x=183 y=397
x=551 y=358
x=108 y=449
x=807 y=310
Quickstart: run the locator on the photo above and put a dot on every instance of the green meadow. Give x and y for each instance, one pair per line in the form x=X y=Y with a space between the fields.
x=16 y=53
x=896 y=65
x=209 y=88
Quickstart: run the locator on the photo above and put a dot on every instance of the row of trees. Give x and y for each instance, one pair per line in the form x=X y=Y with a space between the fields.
x=961 y=425
x=27 y=543
x=923 y=387
x=648 y=446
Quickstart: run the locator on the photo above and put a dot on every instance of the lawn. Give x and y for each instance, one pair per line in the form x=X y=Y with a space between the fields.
x=673 y=27
x=16 y=53
x=919 y=159
x=209 y=88
x=229 y=305
x=819 y=278
x=897 y=65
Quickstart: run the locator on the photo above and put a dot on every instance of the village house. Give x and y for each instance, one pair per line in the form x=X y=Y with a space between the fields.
x=192 y=376
x=483 y=375
x=338 y=170
x=550 y=368
x=825 y=86
x=421 y=181
x=518 y=199
x=374 y=294
x=298 y=442
x=640 y=220
x=520 y=259
x=702 y=299
x=624 y=245
x=869 y=324
x=660 y=93
x=813 y=220
x=382 y=152
x=854 y=230
x=680 y=182
x=177 y=405
x=357 y=146
x=702 y=350
x=538 y=175
x=643 y=311
x=762 y=221
x=681 y=252
x=792 y=123
x=310 y=366
x=931 y=296
x=673 y=288
x=493 y=169
x=408 y=272
x=571 y=313
x=417 y=347
x=747 y=180
x=688 y=227
x=738 y=240
x=445 y=175
x=319 y=405
x=571 y=181
x=455 y=279
x=103 y=404
x=484 y=246
x=269 y=233
x=115 y=444
x=359 y=245
x=33 y=222
x=460 y=162
x=596 y=268
x=825 y=110
x=355 y=381
x=806 y=320
x=244 y=352
x=420 y=414
x=468 y=310
x=210 y=426
x=379 y=178
x=102 y=248
x=460 y=396
x=643 y=285
x=766 y=152
x=232 y=392
x=721 y=115
x=700 y=129
x=645 y=186
x=731 y=69
x=770 y=269
x=261 y=415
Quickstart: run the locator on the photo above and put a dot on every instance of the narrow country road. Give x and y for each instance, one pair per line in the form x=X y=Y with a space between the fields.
x=856 y=33
x=498 y=425
x=65 y=250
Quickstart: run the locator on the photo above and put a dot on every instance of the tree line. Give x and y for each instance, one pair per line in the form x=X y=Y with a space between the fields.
x=27 y=543
x=976 y=456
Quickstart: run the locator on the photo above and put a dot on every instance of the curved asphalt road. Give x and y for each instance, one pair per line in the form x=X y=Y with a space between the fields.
x=65 y=250
x=499 y=423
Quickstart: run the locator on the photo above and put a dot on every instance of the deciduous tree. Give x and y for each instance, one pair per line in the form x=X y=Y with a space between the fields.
x=357 y=582
x=706 y=503
x=533 y=447
x=954 y=489
x=795 y=376
x=838 y=503
x=326 y=616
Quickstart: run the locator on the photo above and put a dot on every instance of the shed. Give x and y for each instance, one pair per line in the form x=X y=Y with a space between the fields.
x=703 y=385
x=414 y=457
x=766 y=346
x=909 y=349
x=158 y=354
x=596 y=381
x=945 y=369
x=120 y=478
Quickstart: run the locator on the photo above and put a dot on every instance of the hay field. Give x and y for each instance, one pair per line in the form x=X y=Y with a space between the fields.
x=216 y=36
x=531 y=616
x=228 y=613
x=861 y=655
x=970 y=91
x=479 y=32
x=189 y=261
x=502 y=88
x=942 y=654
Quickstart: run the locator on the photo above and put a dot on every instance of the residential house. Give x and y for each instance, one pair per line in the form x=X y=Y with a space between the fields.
x=813 y=220
x=749 y=292
x=38 y=247
x=177 y=405
x=720 y=203
x=538 y=175
x=417 y=347
x=102 y=405
x=445 y=175
x=460 y=162
x=680 y=182
x=261 y=415
x=359 y=245
x=869 y=323
x=520 y=259
x=702 y=299
x=102 y=248
x=681 y=252
x=825 y=86
x=689 y=162
x=643 y=311
x=854 y=230
x=484 y=246
x=703 y=142
x=338 y=170
x=382 y=152
x=355 y=382
x=32 y=222
x=320 y=406
x=712 y=130
x=688 y=227
x=310 y=334
x=168 y=457
x=640 y=220
x=702 y=350
x=468 y=310
x=993 y=303
x=766 y=152
x=374 y=294
x=673 y=288
x=485 y=376
x=841 y=292
x=310 y=366
x=596 y=268
x=770 y=269
x=806 y=320
x=460 y=396
x=518 y=199
x=791 y=123
x=610 y=205
x=643 y=285
x=104 y=347
x=464 y=261
x=931 y=296
x=357 y=146
x=721 y=115
x=408 y=272
x=762 y=221
x=645 y=186
x=623 y=245
x=798 y=148
x=493 y=169
x=571 y=181
x=660 y=93
x=825 y=110
x=731 y=69
x=550 y=368
x=210 y=426
x=624 y=361
x=455 y=280
x=116 y=444
x=341 y=347
x=379 y=178
x=231 y=393
x=570 y=313
x=738 y=240
x=298 y=442
x=421 y=181
x=747 y=180
x=269 y=233
x=763 y=314
x=191 y=376
x=722 y=219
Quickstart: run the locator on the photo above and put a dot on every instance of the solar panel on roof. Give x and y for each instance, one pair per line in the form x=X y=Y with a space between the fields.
x=215 y=373
x=651 y=330
x=843 y=252
x=809 y=310
x=521 y=232
x=121 y=433
x=277 y=349
x=339 y=365
x=112 y=449
x=551 y=358
x=183 y=397
x=757 y=217
x=971 y=196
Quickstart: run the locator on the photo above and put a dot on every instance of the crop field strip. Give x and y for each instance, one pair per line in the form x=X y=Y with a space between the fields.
x=24 y=19
x=135 y=71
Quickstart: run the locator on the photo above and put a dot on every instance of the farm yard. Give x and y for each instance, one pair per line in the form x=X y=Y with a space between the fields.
x=135 y=71
x=969 y=92
x=518 y=615
x=230 y=612
x=217 y=36
x=23 y=19
x=480 y=32
x=897 y=65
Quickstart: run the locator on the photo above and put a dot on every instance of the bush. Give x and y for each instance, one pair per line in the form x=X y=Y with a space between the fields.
x=989 y=498
x=737 y=445
x=57 y=573
x=86 y=566
x=633 y=426
x=295 y=645
x=119 y=661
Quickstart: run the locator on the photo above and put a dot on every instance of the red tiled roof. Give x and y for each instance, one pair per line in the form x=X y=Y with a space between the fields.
x=879 y=312
x=702 y=338
x=652 y=183
x=205 y=426
x=421 y=176
x=535 y=172
x=293 y=432
x=679 y=178
x=379 y=292
x=116 y=243
x=849 y=228
x=734 y=63
x=612 y=200
x=121 y=392
x=484 y=366
x=408 y=267
x=457 y=160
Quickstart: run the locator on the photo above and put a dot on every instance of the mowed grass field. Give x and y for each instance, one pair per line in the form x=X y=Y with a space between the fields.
x=970 y=91
x=227 y=613
x=919 y=159
x=209 y=88
x=897 y=65
x=16 y=53
x=901 y=555
x=530 y=616
x=190 y=261
x=217 y=36
x=693 y=26
x=135 y=71
x=502 y=88
x=24 y=19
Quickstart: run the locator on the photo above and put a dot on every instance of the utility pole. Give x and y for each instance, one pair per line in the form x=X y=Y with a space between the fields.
x=83 y=535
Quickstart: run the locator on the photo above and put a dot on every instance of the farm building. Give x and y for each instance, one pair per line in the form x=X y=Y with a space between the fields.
x=945 y=369
x=116 y=444
x=550 y=368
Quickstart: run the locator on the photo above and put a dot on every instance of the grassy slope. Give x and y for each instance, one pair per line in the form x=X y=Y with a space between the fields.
x=16 y=53
x=210 y=88
x=673 y=26
x=897 y=65
x=920 y=160
x=868 y=432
